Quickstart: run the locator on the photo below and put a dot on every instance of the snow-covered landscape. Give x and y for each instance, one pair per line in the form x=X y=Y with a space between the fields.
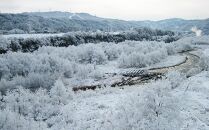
x=98 y=86
x=62 y=70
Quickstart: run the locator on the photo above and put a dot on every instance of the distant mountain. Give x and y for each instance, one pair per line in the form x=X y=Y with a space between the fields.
x=39 y=22
x=65 y=15
x=60 y=22
x=54 y=14
x=179 y=25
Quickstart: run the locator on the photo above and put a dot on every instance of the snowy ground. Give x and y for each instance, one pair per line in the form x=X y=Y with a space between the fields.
x=112 y=67
x=170 y=61
x=32 y=35
x=98 y=109
x=113 y=73
x=195 y=104
x=93 y=108
x=178 y=101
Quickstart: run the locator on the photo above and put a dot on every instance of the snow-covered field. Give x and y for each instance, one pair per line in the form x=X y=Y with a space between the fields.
x=37 y=88
x=39 y=35
x=170 y=61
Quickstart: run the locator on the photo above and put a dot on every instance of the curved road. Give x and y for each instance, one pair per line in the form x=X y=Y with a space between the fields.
x=191 y=62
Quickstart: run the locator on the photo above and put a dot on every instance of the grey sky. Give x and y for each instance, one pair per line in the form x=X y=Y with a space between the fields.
x=121 y=9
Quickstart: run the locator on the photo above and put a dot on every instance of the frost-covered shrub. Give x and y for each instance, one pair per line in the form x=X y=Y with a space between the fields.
x=85 y=53
x=14 y=121
x=170 y=49
x=157 y=56
x=13 y=64
x=4 y=44
x=132 y=60
x=112 y=50
x=204 y=64
x=182 y=45
x=32 y=81
x=42 y=68
x=138 y=59
x=153 y=109
x=24 y=109
x=96 y=74
x=91 y=54
x=159 y=107
x=32 y=70
x=141 y=54
x=38 y=105
x=67 y=53
x=175 y=78
x=83 y=71
x=59 y=93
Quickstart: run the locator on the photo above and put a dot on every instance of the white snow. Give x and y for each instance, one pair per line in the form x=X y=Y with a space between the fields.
x=39 y=35
x=169 y=61
x=173 y=103
x=76 y=15
x=194 y=94
x=94 y=108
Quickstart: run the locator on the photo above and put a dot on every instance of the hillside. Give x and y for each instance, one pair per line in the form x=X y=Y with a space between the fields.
x=39 y=23
x=179 y=25
x=53 y=22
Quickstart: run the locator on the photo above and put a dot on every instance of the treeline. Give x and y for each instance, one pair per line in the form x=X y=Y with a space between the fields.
x=77 y=38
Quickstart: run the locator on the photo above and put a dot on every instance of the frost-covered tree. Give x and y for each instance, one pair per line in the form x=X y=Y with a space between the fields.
x=4 y=45
x=175 y=78
x=59 y=93
x=204 y=65
x=132 y=60
x=140 y=59
x=14 y=121
x=112 y=50
x=160 y=109
x=91 y=54
x=155 y=108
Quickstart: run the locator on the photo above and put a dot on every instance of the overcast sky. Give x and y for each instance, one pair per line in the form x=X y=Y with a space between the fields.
x=120 y=9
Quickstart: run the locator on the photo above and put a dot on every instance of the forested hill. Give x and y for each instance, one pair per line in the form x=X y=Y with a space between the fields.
x=54 y=22
x=32 y=23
